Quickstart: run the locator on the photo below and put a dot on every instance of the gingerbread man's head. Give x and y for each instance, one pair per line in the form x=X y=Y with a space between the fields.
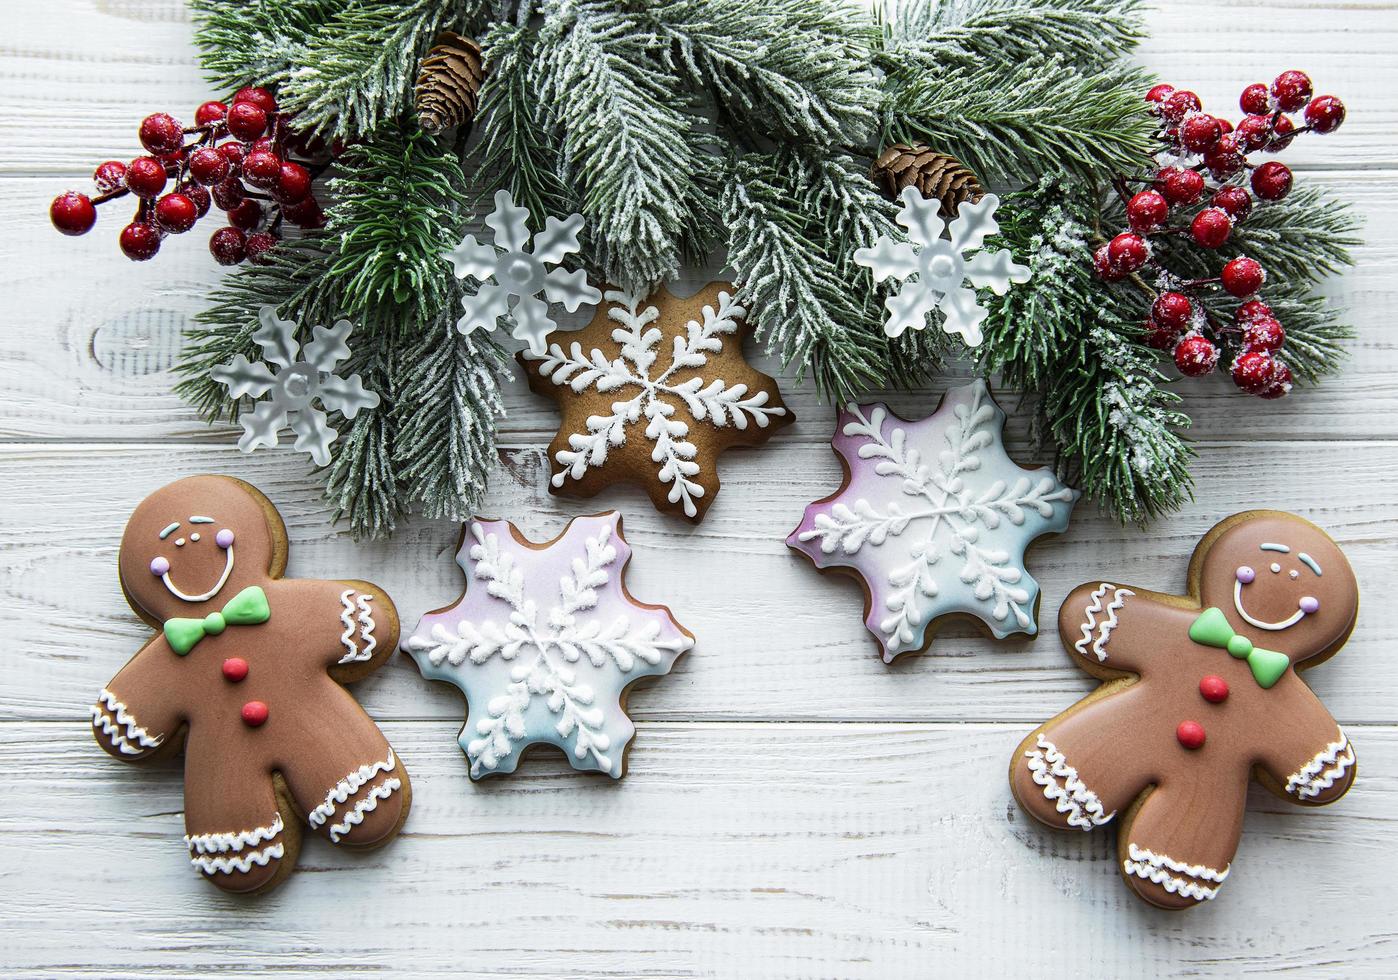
x=193 y=545
x=1280 y=581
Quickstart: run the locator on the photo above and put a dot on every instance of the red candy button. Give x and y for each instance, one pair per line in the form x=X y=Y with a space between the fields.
x=1190 y=734
x=255 y=714
x=1214 y=688
x=236 y=668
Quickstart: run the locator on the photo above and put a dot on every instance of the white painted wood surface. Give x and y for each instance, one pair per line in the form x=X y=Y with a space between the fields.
x=794 y=808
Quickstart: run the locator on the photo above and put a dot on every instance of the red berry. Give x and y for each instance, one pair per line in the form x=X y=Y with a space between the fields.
x=1227 y=157
x=1199 y=132
x=228 y=195
x=262 y=169
x=209 y=166
x=255 y=714
x=1254 y=132
x=1174 y=311
x=259 y=245
x=1325 y=114
x=210 y=114
x=1291 y=89
x=140 y=240
x=1235 y=200
x=1243 y=276
x=263 y=144
x=1211 y=227
x=1161 y=337
x=234 y=152
x=305 y=213
x=1264 y=333
x=1180 y=186
x=160 y=133
x=73 y=213
x=1272 y=181
x=229 y=246
x=1160 y=93
x=1128 y=252
x=176 y=213
x=1256 y=100
x=1282 y=135
x=146 y=177
x=1190 y=735
x=200 y=197
x=1214 y=688
x=247 y=121
x=1180 y=104
x=109 y=176
x=1195 y=356
x=1102 y=263
x=246 y=215
x=294 y=184
x=258 y=97
x=1226 y=126
x=1280 y=385
x=1147 y=211
x=1252 y=310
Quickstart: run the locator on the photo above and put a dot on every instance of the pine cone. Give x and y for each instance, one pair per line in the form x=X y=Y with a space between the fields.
x=938 y=176
x=448 y=83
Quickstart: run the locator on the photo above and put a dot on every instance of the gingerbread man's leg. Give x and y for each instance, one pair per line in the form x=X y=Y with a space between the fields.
x=1177 y=847
x=240 y=835
x=347 y=778
x=1070 y=774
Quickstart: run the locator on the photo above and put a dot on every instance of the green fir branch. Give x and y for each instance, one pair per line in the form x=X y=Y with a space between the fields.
x=256 y=42
x=1306 y=237
x=361 y=483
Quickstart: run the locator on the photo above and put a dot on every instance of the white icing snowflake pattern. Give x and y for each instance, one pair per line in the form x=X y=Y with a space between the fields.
x=932 y=269
x=516 y=268
x=303 y=376
x=935 y=517
x=545 y=644
x=654 y=399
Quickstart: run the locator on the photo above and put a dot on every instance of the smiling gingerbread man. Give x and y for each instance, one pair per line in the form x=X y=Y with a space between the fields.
x=1201 y=691
x=246 y=674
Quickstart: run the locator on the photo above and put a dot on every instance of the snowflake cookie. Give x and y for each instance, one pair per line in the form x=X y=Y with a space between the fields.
x=932 y=269
x=515 y=267
x=651 y=392
x=544 y=643
x=1200 y=694
x=934 y=517
x=302 y=377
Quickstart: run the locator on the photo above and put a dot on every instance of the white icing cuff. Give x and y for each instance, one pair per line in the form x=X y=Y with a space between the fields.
x=202 y=847
x=365 y=622
x=110 y=717
x=1158 y=868
x=1318 y=775
x=1104 y=628
x=369 y=803
x=1062 y=785
x=347 y=787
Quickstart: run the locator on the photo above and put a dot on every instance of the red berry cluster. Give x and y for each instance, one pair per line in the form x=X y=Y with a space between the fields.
x=1179 y=199
x=239 y=158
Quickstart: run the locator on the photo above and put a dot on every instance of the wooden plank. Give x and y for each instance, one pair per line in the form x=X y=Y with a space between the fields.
x=93 y=360
x=76 y=101
x=775 y=639
x=731 y=850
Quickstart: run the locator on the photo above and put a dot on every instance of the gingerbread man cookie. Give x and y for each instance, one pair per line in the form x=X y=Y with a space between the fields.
x=1201 y=691
x=245 y=674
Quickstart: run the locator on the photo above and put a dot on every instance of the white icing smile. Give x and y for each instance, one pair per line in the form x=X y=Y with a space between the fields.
x=204 y=596
x=1287 y=623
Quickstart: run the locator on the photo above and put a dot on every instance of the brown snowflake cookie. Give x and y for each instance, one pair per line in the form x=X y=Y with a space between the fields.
x=651 y=392
x=245 y=675
x=1201 y=691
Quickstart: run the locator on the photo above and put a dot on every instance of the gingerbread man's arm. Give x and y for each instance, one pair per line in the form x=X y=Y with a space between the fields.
x=1116 y=629
x=139 y=712
x=1309 y=759
x=350 y=626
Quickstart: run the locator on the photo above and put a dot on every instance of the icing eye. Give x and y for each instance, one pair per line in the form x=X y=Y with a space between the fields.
x=1246 y=574
x=194 y=536
x=159 y=566
x=224 y=538
x=1295 y=574
x=1309 y=604
x=1275 y=568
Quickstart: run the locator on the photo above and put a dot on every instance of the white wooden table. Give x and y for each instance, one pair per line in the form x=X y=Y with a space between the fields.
x=794 y=808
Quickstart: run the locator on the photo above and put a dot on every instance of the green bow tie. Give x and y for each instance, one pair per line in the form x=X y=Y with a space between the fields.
x=247 y=608
x=1212 y=630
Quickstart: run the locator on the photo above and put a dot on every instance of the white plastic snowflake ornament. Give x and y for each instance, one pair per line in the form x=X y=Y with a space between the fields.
x=544 y=643
x=518 y=269
x=935 y=518
x=303 y=377
x=933 y=269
